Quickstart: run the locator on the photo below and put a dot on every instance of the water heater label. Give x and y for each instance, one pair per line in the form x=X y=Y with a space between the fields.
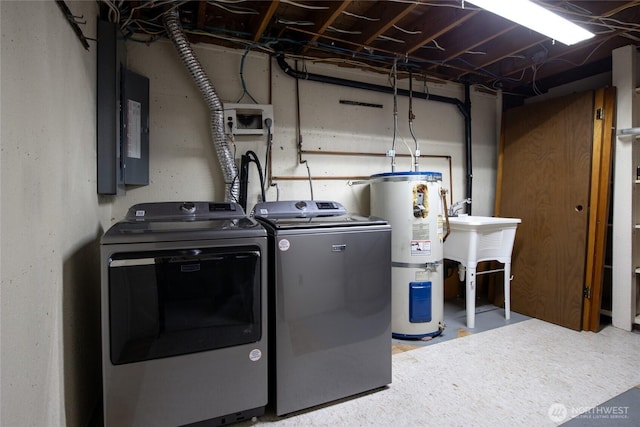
x=421 y=247
x=284 y=245
x=420 y=231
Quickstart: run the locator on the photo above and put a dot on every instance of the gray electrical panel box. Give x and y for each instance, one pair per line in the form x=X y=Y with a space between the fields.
x=122 y=116
x=111 y=61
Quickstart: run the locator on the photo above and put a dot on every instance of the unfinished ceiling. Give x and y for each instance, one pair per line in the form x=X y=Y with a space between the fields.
x=448 y=40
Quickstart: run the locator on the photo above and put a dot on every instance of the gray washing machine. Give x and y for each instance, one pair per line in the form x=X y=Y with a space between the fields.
x=329 y=303
x=184 y=316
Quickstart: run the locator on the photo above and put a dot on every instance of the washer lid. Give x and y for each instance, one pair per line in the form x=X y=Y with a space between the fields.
x=322 y=222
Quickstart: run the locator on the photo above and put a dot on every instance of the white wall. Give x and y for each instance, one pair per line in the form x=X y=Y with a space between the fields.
x=51 y=218
x=183 y=162
x=626 y=253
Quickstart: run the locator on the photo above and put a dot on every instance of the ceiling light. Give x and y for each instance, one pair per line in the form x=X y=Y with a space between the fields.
x=537 y=18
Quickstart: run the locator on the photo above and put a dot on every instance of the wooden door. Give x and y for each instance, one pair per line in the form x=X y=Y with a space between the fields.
x=544 y=179
x=599 y=207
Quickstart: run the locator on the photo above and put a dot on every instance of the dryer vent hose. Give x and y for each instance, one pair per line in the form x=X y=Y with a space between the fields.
x=223 y=150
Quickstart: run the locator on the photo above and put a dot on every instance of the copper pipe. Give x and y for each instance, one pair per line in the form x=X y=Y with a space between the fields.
x=320 y=178
x=356 y=178
x=443 y=196
x=360 y=153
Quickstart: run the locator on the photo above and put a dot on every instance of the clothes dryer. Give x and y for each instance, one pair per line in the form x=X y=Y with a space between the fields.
x=184 y=315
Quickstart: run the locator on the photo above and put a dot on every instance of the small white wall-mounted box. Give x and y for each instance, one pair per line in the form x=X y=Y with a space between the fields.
x=248 y=119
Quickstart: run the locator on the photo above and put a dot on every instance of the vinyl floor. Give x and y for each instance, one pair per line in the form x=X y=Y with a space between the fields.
x=522 y=372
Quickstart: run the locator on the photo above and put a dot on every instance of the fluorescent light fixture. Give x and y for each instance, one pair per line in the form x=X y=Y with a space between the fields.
x=537 y=18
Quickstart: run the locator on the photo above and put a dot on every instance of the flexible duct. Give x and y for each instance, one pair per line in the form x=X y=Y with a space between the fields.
x=223 y=150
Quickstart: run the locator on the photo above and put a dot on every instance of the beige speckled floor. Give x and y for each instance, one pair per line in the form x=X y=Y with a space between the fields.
x=514 y=375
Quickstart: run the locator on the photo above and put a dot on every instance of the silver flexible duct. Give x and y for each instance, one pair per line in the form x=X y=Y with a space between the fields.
x=223 y=150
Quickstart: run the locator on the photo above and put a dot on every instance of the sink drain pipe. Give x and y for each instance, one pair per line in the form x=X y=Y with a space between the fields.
x=463 y=107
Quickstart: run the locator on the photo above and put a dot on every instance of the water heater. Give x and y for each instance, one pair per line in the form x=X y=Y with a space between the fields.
x=411 y=203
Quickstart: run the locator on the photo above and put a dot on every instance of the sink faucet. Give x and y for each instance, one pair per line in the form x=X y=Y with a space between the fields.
x=457 y=206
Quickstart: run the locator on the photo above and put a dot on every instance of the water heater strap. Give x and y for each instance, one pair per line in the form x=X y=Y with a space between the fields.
x=409 y=265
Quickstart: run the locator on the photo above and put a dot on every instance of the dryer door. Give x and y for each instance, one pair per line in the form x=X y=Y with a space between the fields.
x=167 y=303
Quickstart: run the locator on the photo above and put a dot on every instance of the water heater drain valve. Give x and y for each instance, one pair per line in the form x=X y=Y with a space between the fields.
x=432 y=266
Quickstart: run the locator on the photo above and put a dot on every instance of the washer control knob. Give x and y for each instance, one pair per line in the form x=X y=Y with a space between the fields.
x=301 y=205
x=188 y=207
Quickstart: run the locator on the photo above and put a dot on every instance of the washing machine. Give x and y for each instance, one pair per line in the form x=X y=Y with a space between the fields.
x=329 y=300
x=184 y=316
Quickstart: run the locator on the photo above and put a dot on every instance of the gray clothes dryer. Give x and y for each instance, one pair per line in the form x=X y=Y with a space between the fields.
x=330 y=308
x=184 y=316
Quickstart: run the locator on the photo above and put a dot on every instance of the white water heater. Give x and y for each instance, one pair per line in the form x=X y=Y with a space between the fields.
x=411 y=203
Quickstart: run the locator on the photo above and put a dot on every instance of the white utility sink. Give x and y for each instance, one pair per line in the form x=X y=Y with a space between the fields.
x=481 y=238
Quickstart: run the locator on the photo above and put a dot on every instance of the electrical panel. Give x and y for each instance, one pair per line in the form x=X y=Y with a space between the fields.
x=248 y=119
x=111 y=60
x=123 y=116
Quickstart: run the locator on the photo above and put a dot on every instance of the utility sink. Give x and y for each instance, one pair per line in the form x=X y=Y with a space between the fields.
x=481 y=238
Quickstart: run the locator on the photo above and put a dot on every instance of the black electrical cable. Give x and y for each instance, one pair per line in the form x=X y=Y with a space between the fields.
x=244 y=178
x=268 y=122
x=253 y=157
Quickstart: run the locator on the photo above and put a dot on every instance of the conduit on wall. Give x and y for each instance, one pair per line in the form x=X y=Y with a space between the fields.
x=463 y=107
